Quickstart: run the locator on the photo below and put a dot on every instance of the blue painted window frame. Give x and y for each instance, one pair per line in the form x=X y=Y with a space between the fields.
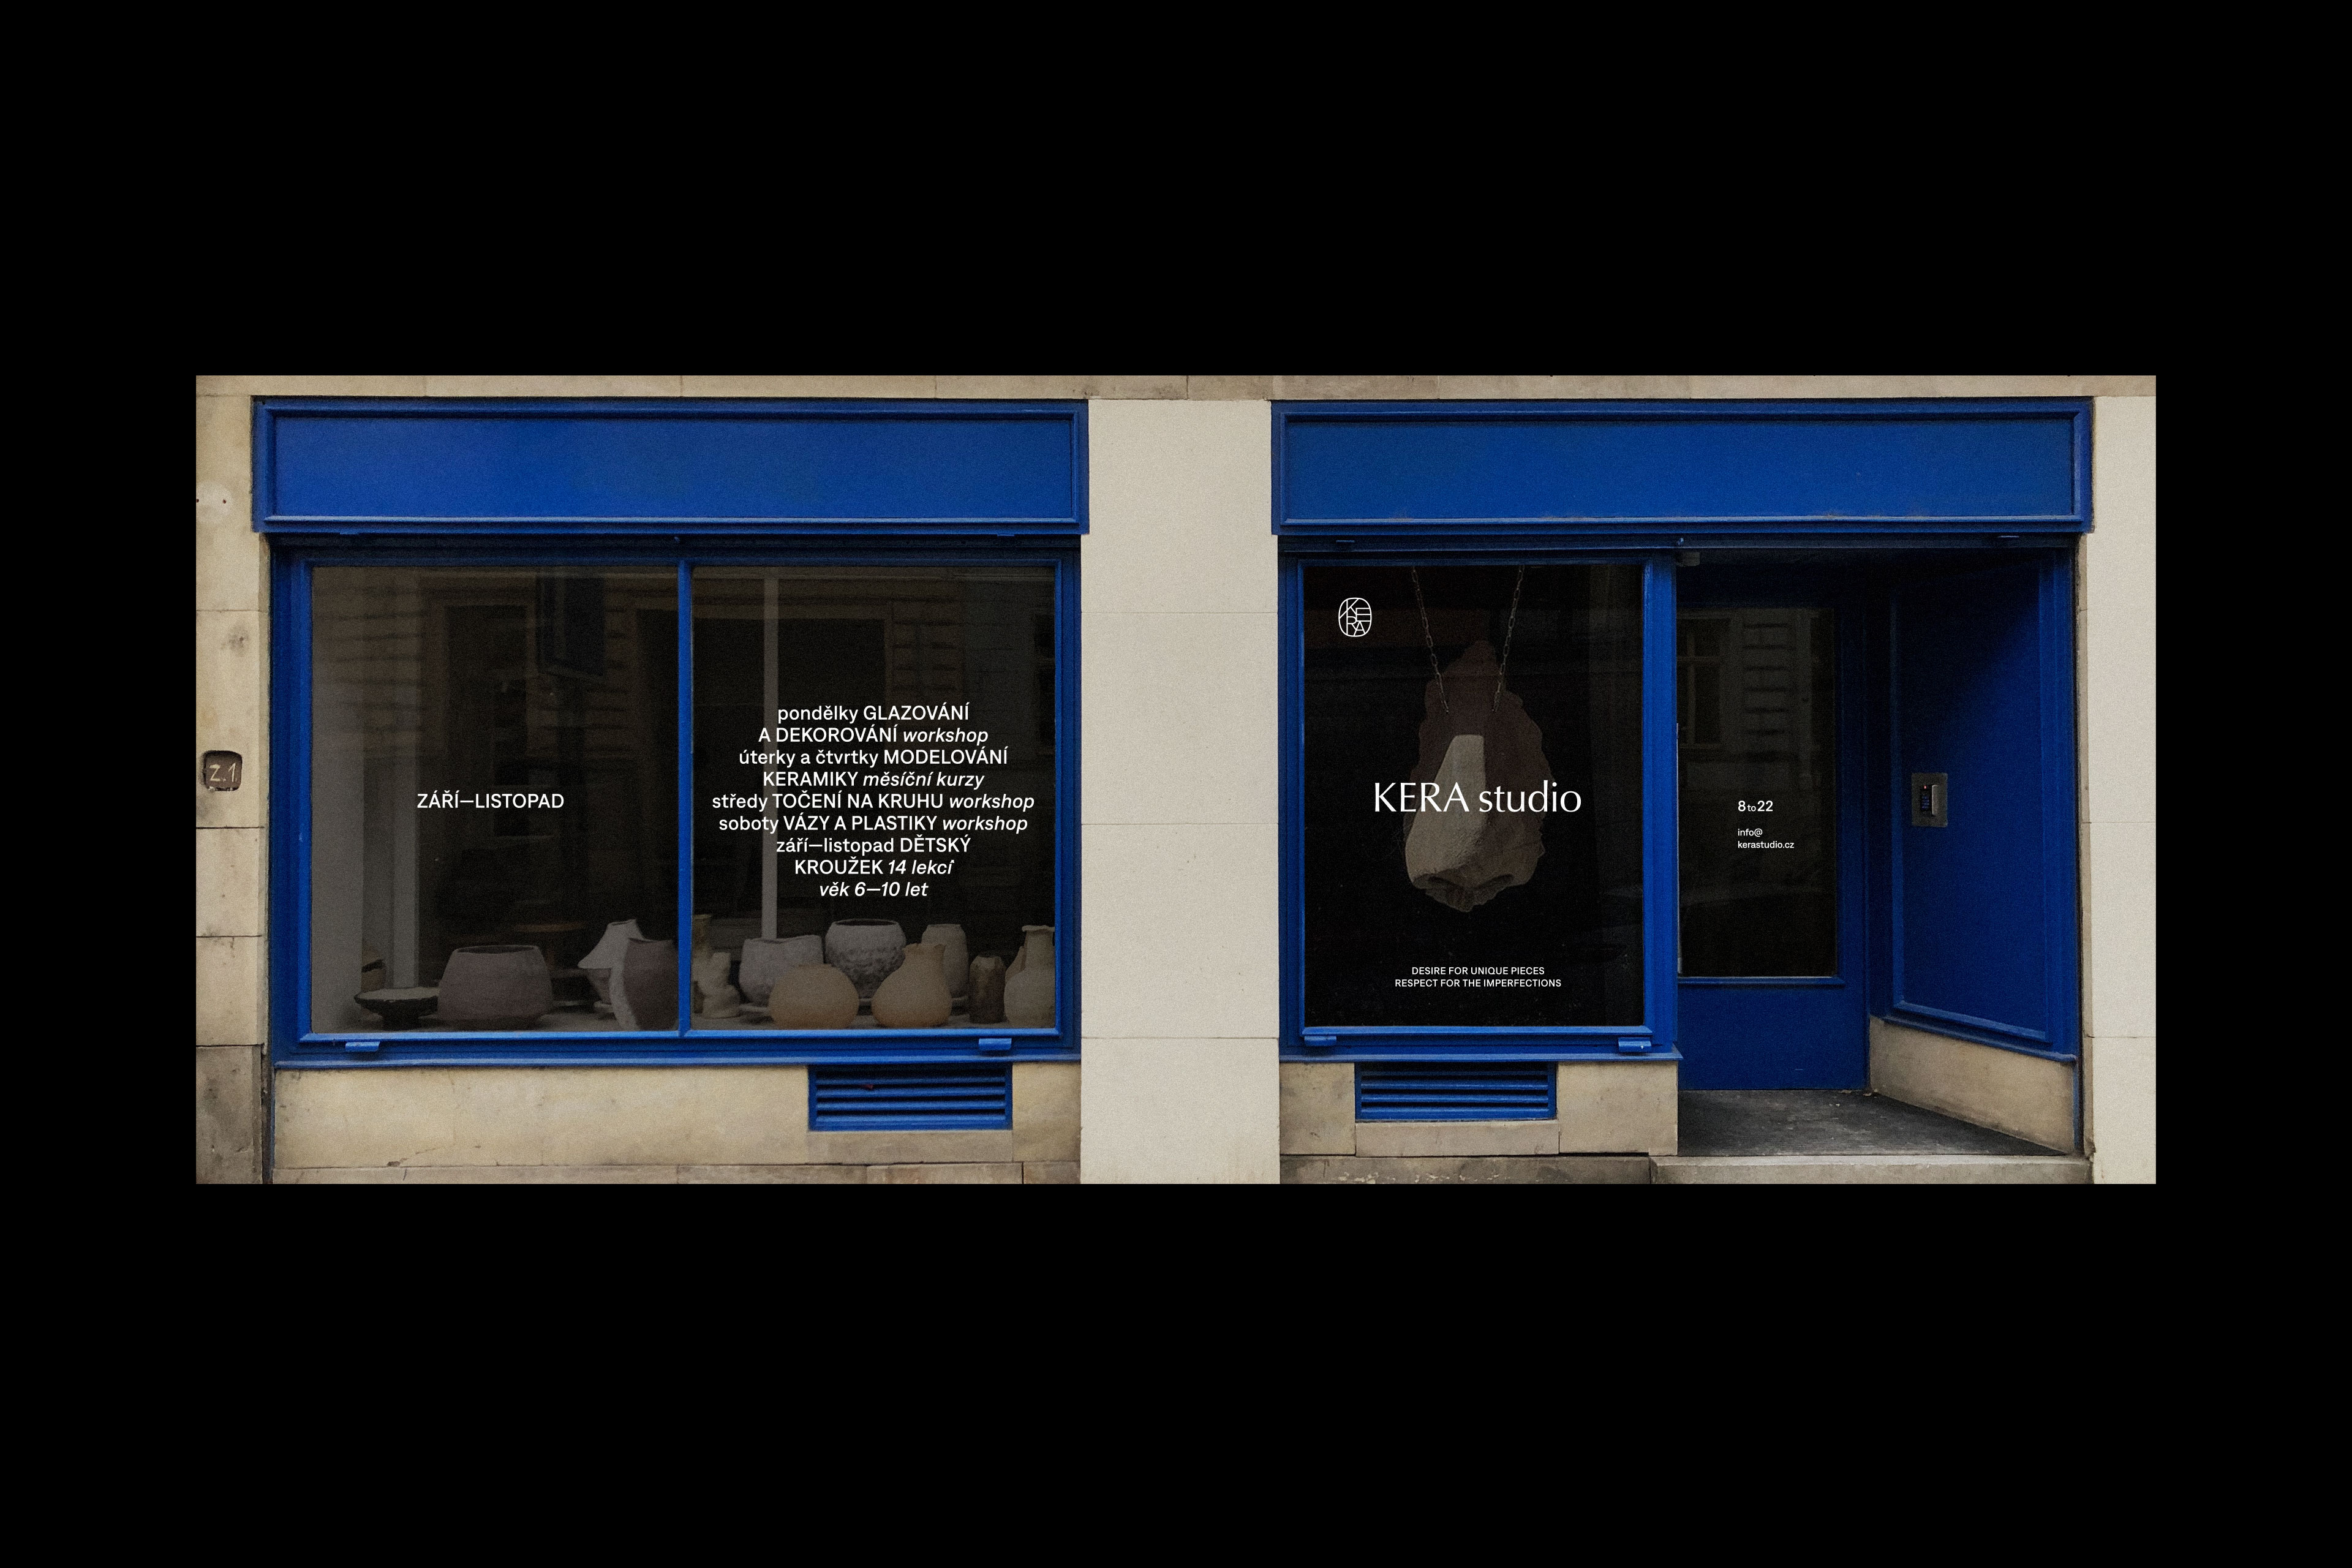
x=1399 y=536
x=297 y=553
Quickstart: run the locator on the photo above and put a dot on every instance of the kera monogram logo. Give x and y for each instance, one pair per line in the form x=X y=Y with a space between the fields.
x=1355 y=618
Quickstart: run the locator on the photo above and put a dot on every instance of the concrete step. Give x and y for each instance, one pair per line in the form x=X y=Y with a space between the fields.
x=1862 y=1169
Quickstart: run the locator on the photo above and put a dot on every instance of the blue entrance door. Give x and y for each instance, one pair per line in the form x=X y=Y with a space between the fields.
x=1774 y=955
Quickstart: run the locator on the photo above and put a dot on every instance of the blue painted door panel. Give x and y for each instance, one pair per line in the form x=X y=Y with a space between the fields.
x=1759 y=1035
x=1971 y=935
x=1811 y=1032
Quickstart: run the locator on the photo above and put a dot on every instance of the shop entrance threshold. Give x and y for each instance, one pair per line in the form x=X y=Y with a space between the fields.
x=1846 y=1136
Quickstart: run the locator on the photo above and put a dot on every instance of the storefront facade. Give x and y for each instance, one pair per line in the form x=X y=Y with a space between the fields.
x=1037 y=779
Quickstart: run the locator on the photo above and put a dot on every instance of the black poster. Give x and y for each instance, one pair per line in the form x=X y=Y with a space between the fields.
x=1472 y=795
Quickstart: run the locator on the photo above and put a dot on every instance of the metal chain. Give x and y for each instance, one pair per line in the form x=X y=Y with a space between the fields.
x=1429 y=642
x=1496 y=701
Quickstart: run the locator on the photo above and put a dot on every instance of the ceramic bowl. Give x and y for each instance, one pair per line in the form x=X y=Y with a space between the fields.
x=404 y=1008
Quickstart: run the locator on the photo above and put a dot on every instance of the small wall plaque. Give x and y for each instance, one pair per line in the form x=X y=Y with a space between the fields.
x=223 y=770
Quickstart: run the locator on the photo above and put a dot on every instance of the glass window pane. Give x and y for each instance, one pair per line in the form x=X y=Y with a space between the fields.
x=873 y=774
x=1759 y=793
x=493 y=785
x=1473 y=795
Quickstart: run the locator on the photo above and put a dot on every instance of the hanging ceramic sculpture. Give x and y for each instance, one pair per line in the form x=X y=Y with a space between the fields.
x=915 y=996
x=1029 y=994
x=601 y=960
x=1475 y=738
x=645 y=985
x=813 y=996
x=501 y=987
x=957 y=963
x=987 y=989
x=866 y=950
x=766 y=958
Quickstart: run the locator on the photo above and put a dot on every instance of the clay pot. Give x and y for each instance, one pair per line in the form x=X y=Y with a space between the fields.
x=644 y=986
x=915 y=996
x=956 y=964
x=606 y=955
x=767 y=958
x=1029 y=995
x=504 y=986
x=813 y=996
x=866 y=951
x=988 y=989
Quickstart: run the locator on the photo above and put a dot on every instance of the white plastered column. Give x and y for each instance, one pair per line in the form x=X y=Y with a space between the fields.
x=2117 y=683
x=1180 y=806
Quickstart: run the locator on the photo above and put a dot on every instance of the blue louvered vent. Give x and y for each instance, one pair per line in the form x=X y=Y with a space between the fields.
x=850 y=1099
x=1449 y=1092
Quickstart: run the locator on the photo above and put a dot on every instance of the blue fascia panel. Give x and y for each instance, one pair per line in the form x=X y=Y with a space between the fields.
x=455 y=465
x=2017 y=466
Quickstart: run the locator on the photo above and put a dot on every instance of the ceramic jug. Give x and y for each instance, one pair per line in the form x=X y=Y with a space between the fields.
x=1029 y=995
x=813 y=996
x=955 y=962
x=915 y=996
x=987 y=989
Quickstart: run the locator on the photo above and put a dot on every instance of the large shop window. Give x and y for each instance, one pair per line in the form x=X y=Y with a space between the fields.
x=495 y=804
x=1474 y=861
x=610 y=798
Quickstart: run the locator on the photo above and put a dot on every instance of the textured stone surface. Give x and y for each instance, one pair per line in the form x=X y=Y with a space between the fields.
x=349 y=1117
x=1045 y=1111
x=229 y=973
x=1177 y=492
x=1617 y=1107
x=1051 y=1173
x=1749 y=1122
x=1318 y=1107
x=1181 y=1110
x=1183 y=930
x=993 y=1146
x=2025 y=1096
x=1307 y=1170
x=1860 y=1169
x=944 y=1175
x=232 y=646
x=230 y=1117
x=1409 y=1139
x=2121 y=1129
x=232 y=870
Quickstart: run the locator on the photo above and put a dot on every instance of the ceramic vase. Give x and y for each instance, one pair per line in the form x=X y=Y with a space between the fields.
x=956 y=960
x=606 y=955
x=987 y=989
x=500 y=986
x=766 y=958
x=645 y=985
x=866 y=951
x=915 y=996
x=1029 y=995
x=813 y=996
